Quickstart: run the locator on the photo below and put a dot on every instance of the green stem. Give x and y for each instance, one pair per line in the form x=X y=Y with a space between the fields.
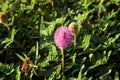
x=75 y=40
x=7 y=26
x=62 y=50
x=35 y=71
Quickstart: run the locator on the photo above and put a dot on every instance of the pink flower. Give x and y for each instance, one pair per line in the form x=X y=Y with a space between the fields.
x=62 y=37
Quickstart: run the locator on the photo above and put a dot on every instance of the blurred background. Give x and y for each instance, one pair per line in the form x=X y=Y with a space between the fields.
x=27 y=30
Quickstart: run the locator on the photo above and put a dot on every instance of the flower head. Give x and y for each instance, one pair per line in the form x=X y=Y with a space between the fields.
x=26 y=66
x=3 y=17
x=62 y=37
x=74 y=28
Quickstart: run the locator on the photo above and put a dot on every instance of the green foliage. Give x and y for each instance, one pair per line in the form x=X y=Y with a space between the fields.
x=8 y=41
x=18 y=75
x=33 y=22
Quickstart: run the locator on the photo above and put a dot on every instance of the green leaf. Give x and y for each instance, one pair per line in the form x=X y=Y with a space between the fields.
x=37 y=56
x=72 y=78
x=85 y=42
x=6 y=69
x=58 y=69
x=55 y=74
x=32 y=4
x=5 y=6
x=13 y=32
x=54 y=52
x=111 y=40
x=18 y=75
x=25 y=55
x=10 y=40
x=5 y=41
x=80 y=73
x=32 y=50
x=22 y=58
x=24 y=1
x=73 y=58
x=116 y=76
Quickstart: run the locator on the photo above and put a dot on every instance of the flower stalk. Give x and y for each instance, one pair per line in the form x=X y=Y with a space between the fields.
x=62 y=51
x=75 y=40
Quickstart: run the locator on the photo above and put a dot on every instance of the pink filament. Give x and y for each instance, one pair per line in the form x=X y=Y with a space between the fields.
x=62 y=37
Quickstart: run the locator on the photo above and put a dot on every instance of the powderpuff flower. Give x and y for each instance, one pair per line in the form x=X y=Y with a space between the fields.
x=62 y=37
